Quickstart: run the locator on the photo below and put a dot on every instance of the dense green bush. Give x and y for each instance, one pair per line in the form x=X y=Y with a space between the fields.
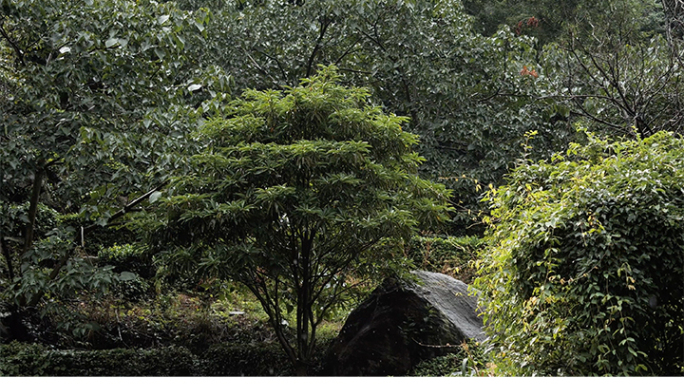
x=246 y=360
x=34 y=360
x=469 y=360
x=97 y=238
x=127 y=258
x=257 y=359
x=135 y=265
x=584 y=276
x=451 y=255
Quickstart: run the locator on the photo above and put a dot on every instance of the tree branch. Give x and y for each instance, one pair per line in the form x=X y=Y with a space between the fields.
x=324 y=27
x=12 y=44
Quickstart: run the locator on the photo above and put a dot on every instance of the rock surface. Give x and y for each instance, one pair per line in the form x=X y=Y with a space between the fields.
x=402 y=323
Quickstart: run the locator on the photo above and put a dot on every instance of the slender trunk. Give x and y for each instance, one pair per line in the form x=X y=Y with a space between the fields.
x=6 y=254
x=301 y=369
x=304 y=321
x=33 y=207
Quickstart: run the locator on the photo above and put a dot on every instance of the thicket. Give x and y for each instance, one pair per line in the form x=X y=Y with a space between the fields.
x=101 y=100
x=585 y=269
x=449 y=254
x=20 y=359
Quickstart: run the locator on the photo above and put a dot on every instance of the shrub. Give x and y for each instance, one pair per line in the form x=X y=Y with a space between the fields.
x=246 y=360
x=34 y=360
x=469 y=360
x=585 y=269
x=99 y=237
x=127 y=258
x=450 y=255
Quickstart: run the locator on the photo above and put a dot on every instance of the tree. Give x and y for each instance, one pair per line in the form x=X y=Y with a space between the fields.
x=616 y=76
x=586 y=258
x=464 y=92
x=93 y=94
x=549 y=21
x=294 y=193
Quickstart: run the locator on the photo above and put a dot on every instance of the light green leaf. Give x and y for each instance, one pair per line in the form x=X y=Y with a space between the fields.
x=127 y=276
x=111 y=42
x=155 y=196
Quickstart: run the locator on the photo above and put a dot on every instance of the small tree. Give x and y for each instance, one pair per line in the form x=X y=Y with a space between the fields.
x=295 y=192
x=584 y=275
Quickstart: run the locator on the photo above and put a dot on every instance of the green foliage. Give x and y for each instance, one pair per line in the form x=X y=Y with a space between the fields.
x=551 y=20
x=621 y=80
x=584 y=272
x=463 y=91
x=127 y=258
x=246 y=360
x=294 y=193
x=449 y=255
x=253 y=359
x=33 y=360
x=468 y=360
x=95 y=95
x=14 y=220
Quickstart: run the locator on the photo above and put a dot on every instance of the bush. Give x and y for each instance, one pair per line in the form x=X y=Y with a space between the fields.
x=260 y=359
x=34 y=360
x=449 y=255
x=127 y=258
x=585 y=269
x=99 y=237
x=246 y=360
x=468 y=360
x=136 y=265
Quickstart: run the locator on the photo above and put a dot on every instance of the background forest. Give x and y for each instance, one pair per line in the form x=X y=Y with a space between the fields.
x=220 y=182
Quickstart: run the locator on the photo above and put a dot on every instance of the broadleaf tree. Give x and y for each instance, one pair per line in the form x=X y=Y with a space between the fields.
x=471 y=98
x=295 y=192
x=93 y=94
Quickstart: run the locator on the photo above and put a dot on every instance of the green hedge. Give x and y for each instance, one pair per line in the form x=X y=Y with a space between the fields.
x=19 y=359
x=584 y=275
x=34 y=360
x=245 y=360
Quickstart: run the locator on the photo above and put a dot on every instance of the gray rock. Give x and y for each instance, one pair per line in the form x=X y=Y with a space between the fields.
x=402 y=323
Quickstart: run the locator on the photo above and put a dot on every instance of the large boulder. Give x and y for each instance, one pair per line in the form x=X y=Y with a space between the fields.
x=403 y=323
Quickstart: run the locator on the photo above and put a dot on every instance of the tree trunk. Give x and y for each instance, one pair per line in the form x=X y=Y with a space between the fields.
x=33 y=207
x=6 y=253
x=301 y=369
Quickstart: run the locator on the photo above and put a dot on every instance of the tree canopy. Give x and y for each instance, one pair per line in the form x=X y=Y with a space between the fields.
x=295 y=193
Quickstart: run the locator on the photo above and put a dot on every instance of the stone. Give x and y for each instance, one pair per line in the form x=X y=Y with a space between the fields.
x=402 y=323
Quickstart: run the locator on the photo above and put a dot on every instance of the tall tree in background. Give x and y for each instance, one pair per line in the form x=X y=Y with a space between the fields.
x=464 y=92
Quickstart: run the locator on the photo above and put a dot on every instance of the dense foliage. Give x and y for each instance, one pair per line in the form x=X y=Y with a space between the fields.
x=105 y=102
x=94 y=96
x=294 y=193
x=464 y=92
x=584 y=276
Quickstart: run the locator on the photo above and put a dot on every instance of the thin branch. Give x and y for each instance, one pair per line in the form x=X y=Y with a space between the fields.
x=14 y=46
x=356 y=71
x=282 y=70
x=258 y=67
x=347 y=51
x=325 y=23
x=128 y=207
x=4 y=249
